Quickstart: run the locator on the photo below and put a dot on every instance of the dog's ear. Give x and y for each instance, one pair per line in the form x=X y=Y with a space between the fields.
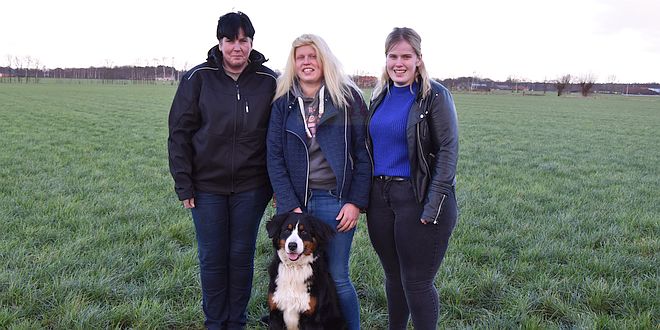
x=322 y=232
x=274 y=225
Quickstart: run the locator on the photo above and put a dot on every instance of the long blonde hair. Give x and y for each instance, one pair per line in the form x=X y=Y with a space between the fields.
x=410 y=36
x=337 y=84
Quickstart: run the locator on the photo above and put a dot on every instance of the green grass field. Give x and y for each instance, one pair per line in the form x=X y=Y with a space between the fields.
x=559 y=224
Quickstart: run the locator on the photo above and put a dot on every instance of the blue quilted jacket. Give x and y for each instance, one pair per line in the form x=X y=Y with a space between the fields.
x=342 y=139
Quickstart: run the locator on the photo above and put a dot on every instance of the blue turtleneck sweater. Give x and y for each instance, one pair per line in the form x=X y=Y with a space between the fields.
x=388 y=132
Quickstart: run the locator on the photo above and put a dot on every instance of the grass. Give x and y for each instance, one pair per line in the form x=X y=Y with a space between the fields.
x=559 y=219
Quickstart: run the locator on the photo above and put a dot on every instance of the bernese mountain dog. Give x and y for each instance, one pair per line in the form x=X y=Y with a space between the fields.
x=301 y=293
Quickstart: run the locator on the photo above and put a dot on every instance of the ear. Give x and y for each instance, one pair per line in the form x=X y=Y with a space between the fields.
x=322 y=232
x=274 y=225
x=419 y=60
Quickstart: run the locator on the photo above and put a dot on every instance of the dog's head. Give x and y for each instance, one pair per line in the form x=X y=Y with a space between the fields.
x=297 y=234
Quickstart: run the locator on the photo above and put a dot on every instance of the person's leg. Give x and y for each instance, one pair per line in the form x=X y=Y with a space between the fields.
x=326 y=207
x=421 y=248
x=246 y=211
x=211 y=229
x=380 y=223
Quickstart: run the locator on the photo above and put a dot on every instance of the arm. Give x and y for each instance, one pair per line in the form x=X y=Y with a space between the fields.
x=361 y=180
x=358 y=196
x=184 y=121
x=277 y=171
x=444 y=134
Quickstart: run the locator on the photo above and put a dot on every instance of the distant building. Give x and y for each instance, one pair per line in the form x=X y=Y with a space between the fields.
x=479 y=87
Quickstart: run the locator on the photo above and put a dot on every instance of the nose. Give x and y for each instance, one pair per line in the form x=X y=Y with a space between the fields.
x=293 y=246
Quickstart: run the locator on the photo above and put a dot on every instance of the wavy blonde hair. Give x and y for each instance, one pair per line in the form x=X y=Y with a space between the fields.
x=337 y=84
x=410 y=36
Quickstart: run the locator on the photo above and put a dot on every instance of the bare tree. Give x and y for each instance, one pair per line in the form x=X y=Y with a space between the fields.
x=513 y=81
x=36 y=70
x=28 y=61
x=563 y=82
x=611 y=80
x=155 y=69
x=9 y=61
x=586 y=83
x=19 y=66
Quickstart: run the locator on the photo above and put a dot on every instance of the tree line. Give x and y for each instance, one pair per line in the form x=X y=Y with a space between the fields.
x=29 y=70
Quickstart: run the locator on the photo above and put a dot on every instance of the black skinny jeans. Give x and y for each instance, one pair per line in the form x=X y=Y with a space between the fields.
x=410 y=252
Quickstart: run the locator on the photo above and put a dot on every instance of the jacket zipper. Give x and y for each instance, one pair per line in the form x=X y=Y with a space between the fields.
x=245 y=115
x=343 y=183
x=435 y=221
x=419 y=145
x=368 y=139
x=233 y=145
x=307 y=178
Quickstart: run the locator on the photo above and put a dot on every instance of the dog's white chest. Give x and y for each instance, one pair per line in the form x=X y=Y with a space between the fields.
x=291 y=295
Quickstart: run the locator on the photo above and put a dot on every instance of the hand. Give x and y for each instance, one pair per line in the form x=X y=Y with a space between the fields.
x=347 y=217
x=297 y=210
x=189 y=203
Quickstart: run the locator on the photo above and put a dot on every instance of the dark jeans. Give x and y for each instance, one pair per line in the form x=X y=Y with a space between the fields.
x=410 y=252
x=226 y=228
x=325 y=205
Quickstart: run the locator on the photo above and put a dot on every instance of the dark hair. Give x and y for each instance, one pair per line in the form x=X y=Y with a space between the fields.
x=230 y=24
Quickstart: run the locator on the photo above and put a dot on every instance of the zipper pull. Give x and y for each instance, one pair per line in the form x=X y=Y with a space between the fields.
x=247 y=109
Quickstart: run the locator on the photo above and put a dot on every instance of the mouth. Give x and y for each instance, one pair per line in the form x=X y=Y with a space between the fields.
x=307 y=70
x=293 y=256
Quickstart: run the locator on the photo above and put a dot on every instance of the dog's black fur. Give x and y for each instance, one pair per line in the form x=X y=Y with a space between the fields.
x=314 y=305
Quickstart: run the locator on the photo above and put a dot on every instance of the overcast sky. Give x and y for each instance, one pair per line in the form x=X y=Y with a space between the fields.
x=526 y=39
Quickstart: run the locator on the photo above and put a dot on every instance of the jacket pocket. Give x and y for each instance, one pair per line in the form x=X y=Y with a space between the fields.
x=246 y=114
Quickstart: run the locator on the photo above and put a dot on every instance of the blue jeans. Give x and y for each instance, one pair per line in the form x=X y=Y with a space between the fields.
x=226 y=228
x=324 y=205
x=410 y=252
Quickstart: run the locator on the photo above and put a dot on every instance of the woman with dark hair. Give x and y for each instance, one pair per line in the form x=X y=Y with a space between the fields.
x=217 y=152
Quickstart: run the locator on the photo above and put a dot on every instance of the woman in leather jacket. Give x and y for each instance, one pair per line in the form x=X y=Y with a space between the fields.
x=413 y=141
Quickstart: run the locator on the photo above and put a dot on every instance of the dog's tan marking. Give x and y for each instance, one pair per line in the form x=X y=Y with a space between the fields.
x=271 y=303
x=309 y=247
x=313 y=304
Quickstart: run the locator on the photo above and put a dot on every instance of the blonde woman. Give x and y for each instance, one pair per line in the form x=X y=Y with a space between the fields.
x=413 y=135
x=317 y=157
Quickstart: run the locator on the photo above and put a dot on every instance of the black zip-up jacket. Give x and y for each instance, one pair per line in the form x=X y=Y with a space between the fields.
x=432 y=138
x=217 y=127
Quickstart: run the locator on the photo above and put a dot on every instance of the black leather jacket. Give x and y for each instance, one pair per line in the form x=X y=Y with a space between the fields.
x=217 y=128
x=432 y=134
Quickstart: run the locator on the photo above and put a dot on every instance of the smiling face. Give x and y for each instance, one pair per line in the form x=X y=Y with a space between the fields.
x=402 y=63
x=235 y=52
x=309 y=70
